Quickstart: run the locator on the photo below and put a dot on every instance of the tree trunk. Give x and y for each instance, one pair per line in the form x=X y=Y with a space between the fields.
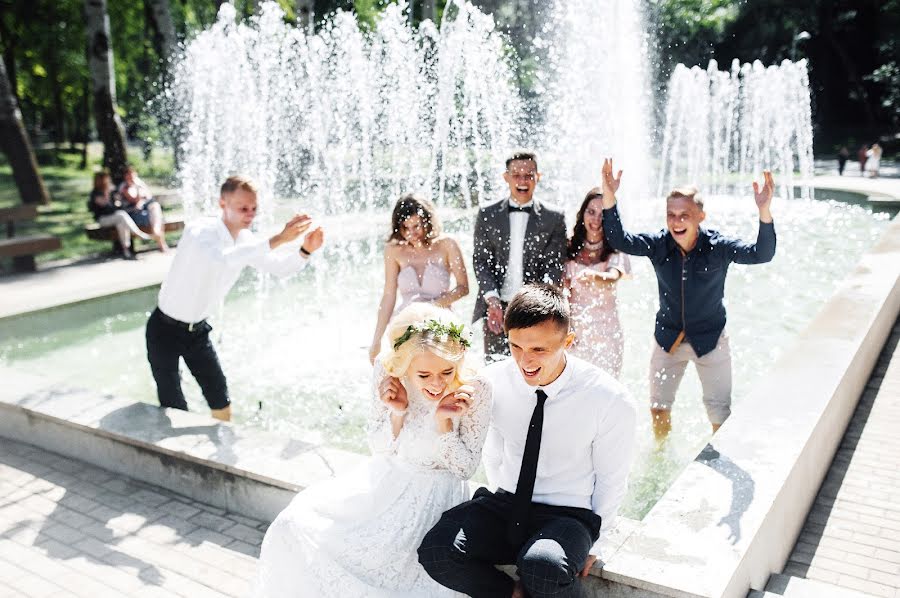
x=304 y=10
x=84 y=118
x=166 y=41
x=100 y=63
x=429 y=10
x=15 y=144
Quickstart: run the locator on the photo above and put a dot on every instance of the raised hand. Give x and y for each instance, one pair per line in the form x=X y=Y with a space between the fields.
x=457 y=402
x=609 y=184
x=453 y=405
x=763 y=195
x=314 y=239
x=295 y=227
x=393 y=394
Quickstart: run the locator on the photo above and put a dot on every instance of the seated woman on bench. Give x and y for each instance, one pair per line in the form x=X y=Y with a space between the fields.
x=107 y=211
x=143 y=209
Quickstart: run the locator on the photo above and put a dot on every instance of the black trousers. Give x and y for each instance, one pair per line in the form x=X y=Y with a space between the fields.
x=168 y=340
x=461 y=550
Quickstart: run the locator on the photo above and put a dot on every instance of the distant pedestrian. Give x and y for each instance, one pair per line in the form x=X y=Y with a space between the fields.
x=842 y=157
x=874 y=155
x=862 y=156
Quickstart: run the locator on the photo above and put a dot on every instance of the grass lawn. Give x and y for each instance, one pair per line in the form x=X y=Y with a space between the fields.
x=67 y=214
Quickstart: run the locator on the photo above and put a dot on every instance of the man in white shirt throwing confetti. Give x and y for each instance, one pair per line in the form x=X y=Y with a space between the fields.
x=211 y=254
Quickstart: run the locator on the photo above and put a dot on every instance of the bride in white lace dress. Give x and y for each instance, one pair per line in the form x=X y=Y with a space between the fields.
x=357 y=535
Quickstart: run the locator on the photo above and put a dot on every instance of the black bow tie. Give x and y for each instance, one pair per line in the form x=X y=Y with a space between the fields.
x=526 y=209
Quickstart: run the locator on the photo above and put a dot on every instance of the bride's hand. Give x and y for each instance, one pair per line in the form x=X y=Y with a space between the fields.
x=454 y=404
x=393 y=394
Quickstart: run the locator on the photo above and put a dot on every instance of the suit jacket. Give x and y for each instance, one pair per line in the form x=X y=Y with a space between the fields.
x=542 y=257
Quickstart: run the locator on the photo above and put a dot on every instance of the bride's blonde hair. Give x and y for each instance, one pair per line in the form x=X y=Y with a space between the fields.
x=417 y=323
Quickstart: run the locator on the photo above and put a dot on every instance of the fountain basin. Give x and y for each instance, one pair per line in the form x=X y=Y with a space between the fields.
x=708 y=534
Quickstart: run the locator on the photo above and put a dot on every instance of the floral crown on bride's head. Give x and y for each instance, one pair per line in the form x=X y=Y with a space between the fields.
x=437 y=330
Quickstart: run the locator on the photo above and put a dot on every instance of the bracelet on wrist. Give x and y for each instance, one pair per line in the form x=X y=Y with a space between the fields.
x=304 y=252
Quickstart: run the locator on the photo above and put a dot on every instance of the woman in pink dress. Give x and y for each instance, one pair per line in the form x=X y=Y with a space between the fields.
x=593 y=270
x=418 y=264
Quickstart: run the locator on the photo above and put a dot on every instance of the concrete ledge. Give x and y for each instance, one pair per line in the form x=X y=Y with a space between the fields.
x=246 y=472
x=731 y=519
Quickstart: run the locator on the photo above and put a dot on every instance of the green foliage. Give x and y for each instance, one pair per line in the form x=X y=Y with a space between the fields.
x=853 y=50
x=367 y=12
x=850 y=45
x=687 y=22
x=45 y=39
x=887 y=75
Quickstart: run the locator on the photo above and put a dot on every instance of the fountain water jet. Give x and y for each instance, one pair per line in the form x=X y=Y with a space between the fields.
x=344 y=119
x=724 y=127
x=597 y=92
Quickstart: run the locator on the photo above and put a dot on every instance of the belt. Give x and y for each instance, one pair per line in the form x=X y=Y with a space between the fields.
x=190 y=327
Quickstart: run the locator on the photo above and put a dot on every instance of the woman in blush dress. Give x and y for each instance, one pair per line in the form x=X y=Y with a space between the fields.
x=593 y=270
x=418 y=263
x=357 y=535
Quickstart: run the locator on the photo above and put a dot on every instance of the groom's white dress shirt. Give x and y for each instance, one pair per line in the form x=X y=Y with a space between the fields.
x=515 y=269
x=209 y=261
x=587 y=443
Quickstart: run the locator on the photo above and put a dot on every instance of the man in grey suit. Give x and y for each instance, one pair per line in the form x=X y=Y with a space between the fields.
x=517 y=240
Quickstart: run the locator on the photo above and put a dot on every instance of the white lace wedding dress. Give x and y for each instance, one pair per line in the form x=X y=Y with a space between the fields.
x=356 y=535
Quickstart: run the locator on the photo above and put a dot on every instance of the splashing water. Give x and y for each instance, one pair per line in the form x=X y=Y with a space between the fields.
x=345 y=119
x=597 y=92
x=724 y=125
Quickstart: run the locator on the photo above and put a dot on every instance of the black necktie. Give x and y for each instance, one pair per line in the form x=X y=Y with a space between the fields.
x=526 y=209
x=518 y=522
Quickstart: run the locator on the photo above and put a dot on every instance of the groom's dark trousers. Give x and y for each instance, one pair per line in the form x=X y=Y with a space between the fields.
x=461 y=550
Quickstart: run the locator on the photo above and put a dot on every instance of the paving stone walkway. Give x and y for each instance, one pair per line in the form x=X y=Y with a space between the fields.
x=71 y=529
x=851 y=538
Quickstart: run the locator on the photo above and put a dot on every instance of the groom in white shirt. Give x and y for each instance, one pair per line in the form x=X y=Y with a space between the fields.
x=559 y=449
x=211 y=254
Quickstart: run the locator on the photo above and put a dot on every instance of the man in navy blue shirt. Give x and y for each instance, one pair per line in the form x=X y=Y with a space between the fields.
x=691 y=263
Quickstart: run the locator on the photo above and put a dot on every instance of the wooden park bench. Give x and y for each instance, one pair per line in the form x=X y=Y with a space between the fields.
x=23 y=248
x=108 y=233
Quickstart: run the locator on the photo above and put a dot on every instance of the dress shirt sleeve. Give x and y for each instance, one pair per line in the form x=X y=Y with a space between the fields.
x=754 y=253
x=281 y=262
x=612 y=452
x=209 y=243
x=378 y=427
x=634 y=244
x=483 y=258
x=256 y=253
x=460 y=449
x=492 y=455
